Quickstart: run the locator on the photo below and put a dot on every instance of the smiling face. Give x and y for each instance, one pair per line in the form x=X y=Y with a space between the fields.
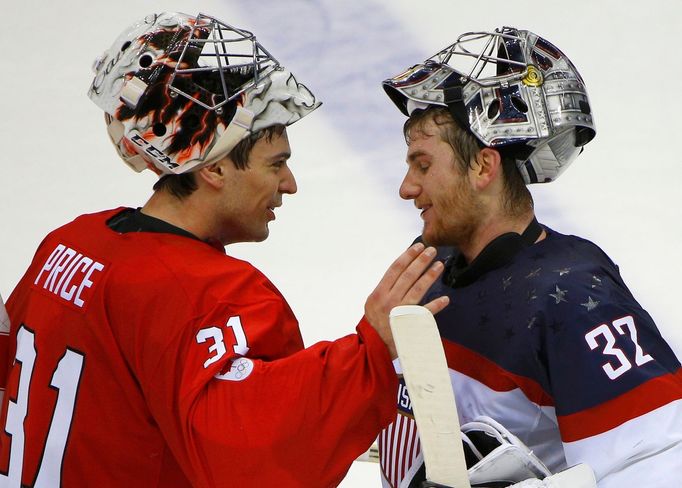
x=440 y=187
x=251 y=195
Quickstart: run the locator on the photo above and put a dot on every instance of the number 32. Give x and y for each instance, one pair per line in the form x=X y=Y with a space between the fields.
x=624 y=363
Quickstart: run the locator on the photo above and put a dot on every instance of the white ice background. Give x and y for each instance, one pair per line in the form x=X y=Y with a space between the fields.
x=333 y=240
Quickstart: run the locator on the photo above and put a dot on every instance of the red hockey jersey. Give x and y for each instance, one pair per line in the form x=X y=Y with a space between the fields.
x=153 y=359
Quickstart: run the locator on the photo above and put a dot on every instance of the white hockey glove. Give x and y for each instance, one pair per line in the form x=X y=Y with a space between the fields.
x=501 y=458
x=579 y=476
x=498 y=459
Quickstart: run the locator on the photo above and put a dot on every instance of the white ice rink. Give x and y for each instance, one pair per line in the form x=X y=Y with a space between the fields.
x=333 y=240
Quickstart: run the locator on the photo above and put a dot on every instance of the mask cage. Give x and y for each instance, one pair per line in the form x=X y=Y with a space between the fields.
x=221 y=60
x=486 y=58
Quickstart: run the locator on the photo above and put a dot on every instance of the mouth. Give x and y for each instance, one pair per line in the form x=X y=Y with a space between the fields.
x=424 y=209
x=271 y=211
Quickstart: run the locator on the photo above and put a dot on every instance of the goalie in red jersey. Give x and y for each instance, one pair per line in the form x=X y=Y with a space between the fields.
x=140 y=354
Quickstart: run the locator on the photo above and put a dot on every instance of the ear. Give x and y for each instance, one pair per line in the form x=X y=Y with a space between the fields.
x=214 y=174
x=486 y=168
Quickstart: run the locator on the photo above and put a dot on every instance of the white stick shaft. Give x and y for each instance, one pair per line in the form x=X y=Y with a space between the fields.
x=427 y=378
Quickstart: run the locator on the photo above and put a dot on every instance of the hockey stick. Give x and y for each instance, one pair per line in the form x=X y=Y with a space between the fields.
x=425 y=370
x=371 y=455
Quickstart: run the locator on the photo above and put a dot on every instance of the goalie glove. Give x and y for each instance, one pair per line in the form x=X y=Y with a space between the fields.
x=579 y=476
x=500 y=458
x=496 y=458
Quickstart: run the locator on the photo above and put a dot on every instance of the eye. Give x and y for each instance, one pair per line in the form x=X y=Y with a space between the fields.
x=423 y=167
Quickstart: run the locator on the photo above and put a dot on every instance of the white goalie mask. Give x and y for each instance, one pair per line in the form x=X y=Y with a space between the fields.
x=179 y=92
x=511 y=89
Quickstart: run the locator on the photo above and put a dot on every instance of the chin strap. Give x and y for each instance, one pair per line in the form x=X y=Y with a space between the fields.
x=454 y=99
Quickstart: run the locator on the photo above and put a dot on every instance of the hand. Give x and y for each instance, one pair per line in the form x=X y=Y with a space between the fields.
x=404 y=283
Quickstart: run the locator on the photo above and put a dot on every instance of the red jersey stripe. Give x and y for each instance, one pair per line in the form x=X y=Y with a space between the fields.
x=480 y=368
x=645 y=398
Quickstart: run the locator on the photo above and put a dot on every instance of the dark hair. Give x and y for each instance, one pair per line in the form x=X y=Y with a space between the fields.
x=465 y=146
x=183 y=185
x=240 y=153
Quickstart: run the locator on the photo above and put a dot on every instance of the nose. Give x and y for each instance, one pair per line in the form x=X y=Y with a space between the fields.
x=409 y=188
x=288 y=182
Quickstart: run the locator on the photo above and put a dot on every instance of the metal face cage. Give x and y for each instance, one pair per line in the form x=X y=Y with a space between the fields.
x=487 y=57
x=220 y=52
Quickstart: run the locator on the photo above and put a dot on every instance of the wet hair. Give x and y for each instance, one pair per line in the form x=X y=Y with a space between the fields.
x=465 y=146
x=183 y=185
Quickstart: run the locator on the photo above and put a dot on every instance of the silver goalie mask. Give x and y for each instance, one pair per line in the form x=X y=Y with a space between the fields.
x=513 y=90
x=179 y=92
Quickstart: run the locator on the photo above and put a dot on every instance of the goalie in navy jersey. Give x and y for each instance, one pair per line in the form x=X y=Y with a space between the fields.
x=541 y=333
x=140 y=354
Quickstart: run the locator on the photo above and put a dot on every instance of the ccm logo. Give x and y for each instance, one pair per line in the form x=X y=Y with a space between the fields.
x=154 y=152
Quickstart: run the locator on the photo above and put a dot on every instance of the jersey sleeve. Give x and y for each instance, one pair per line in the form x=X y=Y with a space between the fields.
x=616 y=383
x=240 y=400
x=4 y=347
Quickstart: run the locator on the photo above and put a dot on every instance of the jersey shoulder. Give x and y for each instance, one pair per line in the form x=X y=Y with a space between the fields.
x=155 y=266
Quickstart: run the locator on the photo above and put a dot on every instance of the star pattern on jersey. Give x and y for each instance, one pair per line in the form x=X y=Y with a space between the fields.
x=532 y=322
x=534 y=273
x=590 y=304
x=559 y=295
x=530 y=295
x=540 y=280
x=556 y=326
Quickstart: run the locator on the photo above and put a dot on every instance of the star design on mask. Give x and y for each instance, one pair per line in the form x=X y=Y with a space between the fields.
x=531 y=295
x=506 y=283
x=481 y=296
x=533 y=274
x=558 y=295
x=596 y=281
x=563 y=271
x=508 y=307
x=509 y=333
x=483 y=320
x=590 y=304
x=538 y=256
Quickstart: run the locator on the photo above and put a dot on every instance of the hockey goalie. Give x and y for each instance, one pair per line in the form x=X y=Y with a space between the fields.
x=488 y=455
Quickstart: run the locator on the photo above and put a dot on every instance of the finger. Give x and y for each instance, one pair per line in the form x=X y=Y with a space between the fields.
x=413 y=273
x=419 y=288
x=398 y=267
x=438 y=304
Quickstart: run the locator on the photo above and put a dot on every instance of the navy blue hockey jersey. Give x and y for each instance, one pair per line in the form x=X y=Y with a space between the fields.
x=555 y=348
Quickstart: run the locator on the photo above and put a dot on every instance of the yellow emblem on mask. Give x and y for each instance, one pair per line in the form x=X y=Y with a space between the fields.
x=533 y=76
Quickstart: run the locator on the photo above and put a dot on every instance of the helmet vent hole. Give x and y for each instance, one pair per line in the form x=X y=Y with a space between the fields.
x=584 y=107
x=125 y=46
x=146 y=60
x=519 y=104
x=493 y=109
x=159 y=129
